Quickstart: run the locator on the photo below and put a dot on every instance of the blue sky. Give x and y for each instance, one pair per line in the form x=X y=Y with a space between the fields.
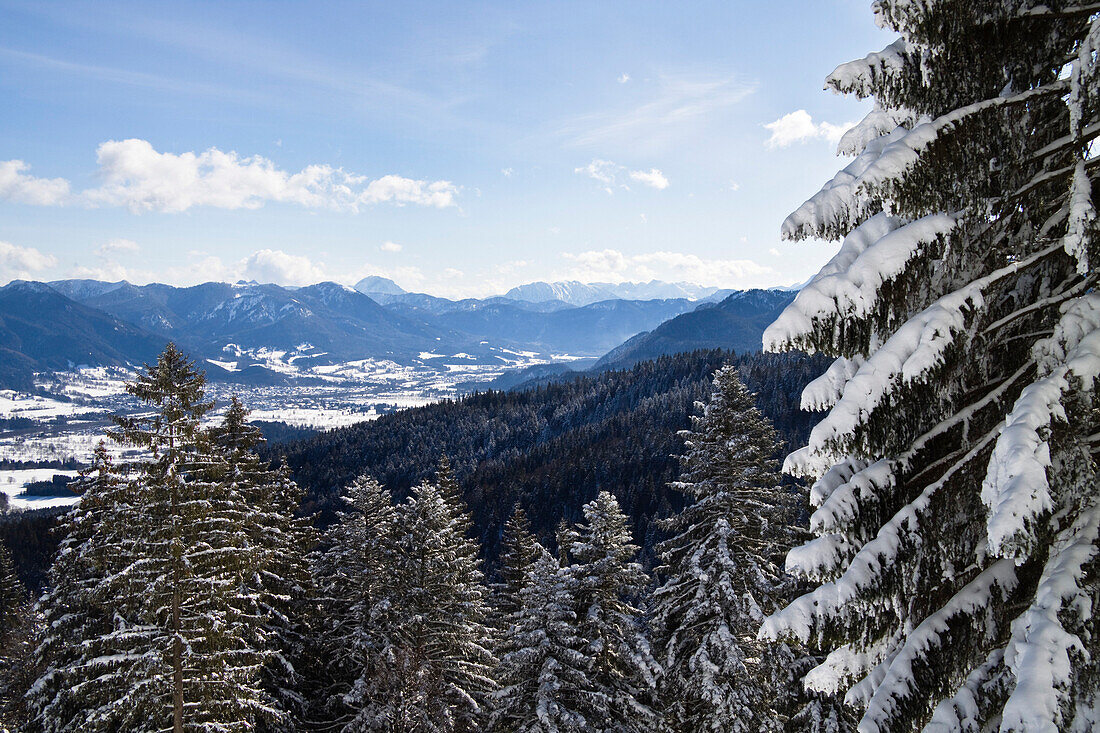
x=459 y=148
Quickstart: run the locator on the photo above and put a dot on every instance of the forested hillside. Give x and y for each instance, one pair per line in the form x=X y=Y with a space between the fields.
x=554 y=447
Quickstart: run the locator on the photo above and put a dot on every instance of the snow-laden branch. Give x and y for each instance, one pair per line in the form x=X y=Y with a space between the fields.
x=851 y=194
x=859 y=76
x=800 y=616
x=914 y=350
x=1042 y=651
x=824 y=391
x=900 y=681
x=848 y=286
x=1016 y=488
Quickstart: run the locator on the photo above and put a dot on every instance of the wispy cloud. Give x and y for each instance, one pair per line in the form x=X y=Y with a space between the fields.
x=610 y=174
x=614 y=266
x=623 y=78
x=126 y=77
x=390 y=247
x=677 y=103
x=286 y=62
x=799 y=127
x=114 y=246
x=136 y=176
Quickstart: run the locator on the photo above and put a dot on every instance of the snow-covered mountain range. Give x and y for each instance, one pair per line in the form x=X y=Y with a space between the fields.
x=578 y=293
x=260 y=332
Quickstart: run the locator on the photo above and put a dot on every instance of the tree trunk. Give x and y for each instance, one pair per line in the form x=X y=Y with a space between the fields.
x=177 y=660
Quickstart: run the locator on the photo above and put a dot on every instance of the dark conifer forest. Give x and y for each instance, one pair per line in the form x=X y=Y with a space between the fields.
x=551 y=448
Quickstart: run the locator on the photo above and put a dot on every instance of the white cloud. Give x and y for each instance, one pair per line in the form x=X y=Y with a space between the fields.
x=652 y=177
x=506 y=172
x=623 y=78
x=22 y=263
x=608 y=174
x=137 y=176
x=439 y=194
x=117 y=245
x=735 y=186
x=613 y=265
x=600 y=170
x=17 y=186
x=390 y=247
x=774 y=252
x=799 y=127
x=276 y=266
x=108 y=272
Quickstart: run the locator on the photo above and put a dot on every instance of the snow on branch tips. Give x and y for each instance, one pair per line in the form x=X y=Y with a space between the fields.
x=805 y=613
x=843 y=664
x=1016 y=489
x=855 y=192
x=835 y=209
x=1043 y=653
x=907 y=356
x=839 y=509
x=1082 y=218
x=795 y=323
x=878 y=122
x=824 y=391
x=849 y=286
x=858 y=77
x=990 y=587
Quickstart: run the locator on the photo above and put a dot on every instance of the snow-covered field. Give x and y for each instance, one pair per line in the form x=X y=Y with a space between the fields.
x=12 y=483
x=73 y=415
x=39 y=407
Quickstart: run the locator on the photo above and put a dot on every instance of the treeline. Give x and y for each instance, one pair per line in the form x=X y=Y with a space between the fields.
x=189 y=593
x=552 y=448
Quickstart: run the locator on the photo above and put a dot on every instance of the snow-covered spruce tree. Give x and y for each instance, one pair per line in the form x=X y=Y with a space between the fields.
x=17 y=622
x=956 y=497
x=75 y=609
x=442 y=654
x=13 y=594
x=176 y=653
x=543 y=672
x=605 y=580
x=723 y=573
x=354 y=575
x=518 y=551
x=275 y=588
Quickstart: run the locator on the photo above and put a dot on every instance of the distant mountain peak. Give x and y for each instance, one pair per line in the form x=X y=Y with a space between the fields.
x=580 y=294
x=379 y=284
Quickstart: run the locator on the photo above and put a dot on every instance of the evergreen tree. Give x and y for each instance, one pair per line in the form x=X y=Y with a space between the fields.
x=275 y=587
x=723 y=572
x=518 y=551
x=355 y=579
x=76 y=608
x=160 y=639
x=443 y=652
x=957 y=547
x=19 y=669
x=13 y=595
x=17 y=625
x=543 y=670
x=604 y=579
